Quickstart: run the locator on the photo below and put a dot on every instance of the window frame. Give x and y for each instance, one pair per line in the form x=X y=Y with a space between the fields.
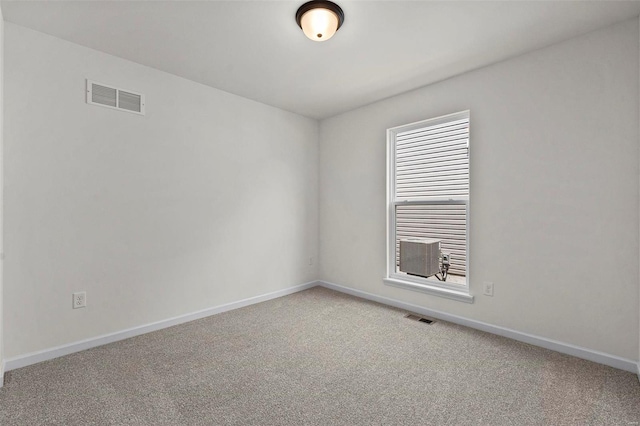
x=427 y=285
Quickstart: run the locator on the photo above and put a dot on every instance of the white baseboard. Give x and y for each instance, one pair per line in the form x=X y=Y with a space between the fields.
x=638 y=371
x=554 y=345
x=47 y=354
x=2 y=373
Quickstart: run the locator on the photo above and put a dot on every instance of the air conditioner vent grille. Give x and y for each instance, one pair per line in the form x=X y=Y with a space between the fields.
x=129 y=101
x=103 y=95
x=113 y=97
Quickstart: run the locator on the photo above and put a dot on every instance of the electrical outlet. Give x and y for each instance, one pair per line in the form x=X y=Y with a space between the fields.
x=488 y=289
x=79 y=299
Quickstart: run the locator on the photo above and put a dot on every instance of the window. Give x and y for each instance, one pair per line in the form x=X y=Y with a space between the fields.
x=428 y=201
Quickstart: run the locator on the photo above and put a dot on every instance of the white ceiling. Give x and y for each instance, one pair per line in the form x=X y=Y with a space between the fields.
x=256 y=50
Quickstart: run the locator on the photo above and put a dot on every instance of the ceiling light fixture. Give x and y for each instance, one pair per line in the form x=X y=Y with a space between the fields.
x=319 y=19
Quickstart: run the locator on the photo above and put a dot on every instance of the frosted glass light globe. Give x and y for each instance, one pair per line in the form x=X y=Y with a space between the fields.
x=319 y=24
x=320 y=19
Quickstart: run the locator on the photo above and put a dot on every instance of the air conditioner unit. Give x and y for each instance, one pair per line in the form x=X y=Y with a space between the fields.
x=420 y=256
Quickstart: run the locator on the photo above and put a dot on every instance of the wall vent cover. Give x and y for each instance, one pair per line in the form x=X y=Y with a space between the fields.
x=112 y=97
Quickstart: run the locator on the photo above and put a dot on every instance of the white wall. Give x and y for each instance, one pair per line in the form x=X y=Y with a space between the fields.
x=554 y=196
x=208 y=199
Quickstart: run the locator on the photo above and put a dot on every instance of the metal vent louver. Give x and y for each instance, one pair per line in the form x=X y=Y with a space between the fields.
x=129 y=101
x=112 y=97
x=420 y=319
x=103 y=95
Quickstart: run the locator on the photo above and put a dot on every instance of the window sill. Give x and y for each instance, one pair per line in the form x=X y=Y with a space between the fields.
x=461 y=296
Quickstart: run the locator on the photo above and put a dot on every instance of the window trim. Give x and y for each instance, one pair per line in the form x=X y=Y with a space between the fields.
x=425 y=285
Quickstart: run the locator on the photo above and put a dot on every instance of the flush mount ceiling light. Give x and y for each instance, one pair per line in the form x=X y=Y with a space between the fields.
x=319 y=19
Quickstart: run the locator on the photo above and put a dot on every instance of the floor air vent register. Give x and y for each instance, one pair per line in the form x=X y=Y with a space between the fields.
x=420 y=319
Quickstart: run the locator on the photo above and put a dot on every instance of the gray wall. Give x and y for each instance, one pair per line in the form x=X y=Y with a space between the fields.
x=554 y=191
x=208 y=199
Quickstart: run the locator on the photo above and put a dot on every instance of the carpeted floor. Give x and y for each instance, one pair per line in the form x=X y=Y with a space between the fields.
x=318 y=358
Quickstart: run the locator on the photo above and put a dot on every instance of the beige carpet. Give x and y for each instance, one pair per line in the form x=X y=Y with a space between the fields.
x=318 y=358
